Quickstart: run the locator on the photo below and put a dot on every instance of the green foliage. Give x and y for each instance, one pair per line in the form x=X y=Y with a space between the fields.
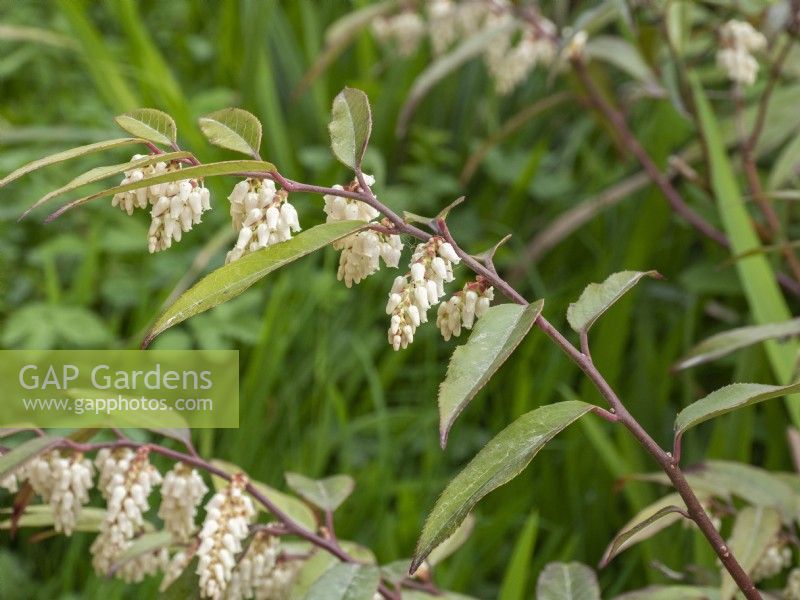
x=234 y=129
x=597 y=298
x=150 y=124
x=754 y=529
x=326 y=494
x=234 y=278
x=567 y=581
x=496 y=335
x=346 y=582
x=350 y=126
x=25 y=452
x=498 y=462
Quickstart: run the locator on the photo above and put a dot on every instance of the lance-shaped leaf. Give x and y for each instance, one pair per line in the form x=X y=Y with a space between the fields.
x=502 y=459
x=495 y=336
x=671 y=592
x=754 y=529
x=727 y=399
x=234 y=278
x=100 y=173
x=67 y=155
x=567 y=581
x=148 y=123
x=13 y=460
x=346 y=581
x=41 y=515
x=234 y=129
x=597 y=298
x=724 y=343
x=228 y=167
x=327 y=494
x=350 y=126
x=649 y=521
x=144 y=544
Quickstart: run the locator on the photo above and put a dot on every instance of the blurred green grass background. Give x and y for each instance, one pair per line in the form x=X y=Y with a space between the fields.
x=322 y=392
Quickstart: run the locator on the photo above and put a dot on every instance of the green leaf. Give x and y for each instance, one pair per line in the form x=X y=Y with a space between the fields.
x=723 y=479
x=567 y=581
x=101 y=173
x=41 y=515
x=350 y=126
x=616 y=51
x=144 y=544
x=327 y=494
x=502 y=459
x=671 y=592
x=756 y=275
x=452 y=543
x=495 y=337
x=312 y=569
x=67 y=155
x=234 y=278
x=444 y=65
x=649 y=521
x=346 y=581
x=228 y=167
x=148 y=123
x=21 y=454
x=234 y=129
x=729 y=341
x=754 y=529
x=727 y=399
x=597 y=298
x=296 y=509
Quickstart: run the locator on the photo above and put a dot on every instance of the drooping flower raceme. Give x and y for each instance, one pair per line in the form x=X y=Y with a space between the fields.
x=64 y=481
x=10 y=483
x=175 y=206
x=412 y=295
x=253 y=575
x=404 y=30
x=792 y=589
x=362 y=251
x=738 y=41
x=228 y=516
x=510 y=63
x=261 y=215
x=181 y=493
x=463 y=308
x=127 y=494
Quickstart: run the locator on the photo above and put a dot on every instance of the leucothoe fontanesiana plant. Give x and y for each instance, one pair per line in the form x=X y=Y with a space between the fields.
x=233 y=554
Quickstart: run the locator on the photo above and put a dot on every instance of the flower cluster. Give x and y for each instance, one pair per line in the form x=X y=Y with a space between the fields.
x=463 y=308
x=510 y=63
x=126 y=482
x=253 y=575
x=261 y=215
x=10 y=483
x=64 y=482
x=181 y=493
x=228 y=516
x=739 y=40
x=775 y=559
x=413 y=294
x=511 y=56
x=175 y=206
x=361 y=252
